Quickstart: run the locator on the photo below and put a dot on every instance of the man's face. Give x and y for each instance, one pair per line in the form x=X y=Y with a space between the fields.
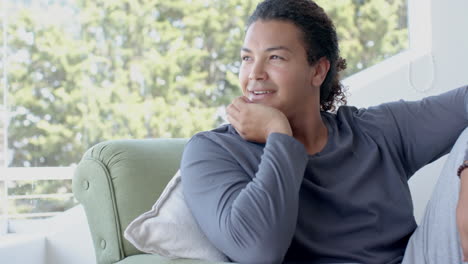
x=274 y=69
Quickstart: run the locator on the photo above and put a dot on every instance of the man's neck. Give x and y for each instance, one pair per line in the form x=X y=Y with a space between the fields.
x=311 y=131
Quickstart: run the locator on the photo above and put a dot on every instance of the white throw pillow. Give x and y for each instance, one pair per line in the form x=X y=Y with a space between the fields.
x=170 y=230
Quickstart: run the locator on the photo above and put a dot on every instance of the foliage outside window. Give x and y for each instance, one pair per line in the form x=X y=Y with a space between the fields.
x=80 y=72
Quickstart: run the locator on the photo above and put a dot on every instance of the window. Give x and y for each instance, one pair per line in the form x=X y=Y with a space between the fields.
x=369 y=31
x=75 y=73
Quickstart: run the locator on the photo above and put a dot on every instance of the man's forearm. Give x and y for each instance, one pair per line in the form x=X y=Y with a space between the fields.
x=464 y=184
x=462 y=213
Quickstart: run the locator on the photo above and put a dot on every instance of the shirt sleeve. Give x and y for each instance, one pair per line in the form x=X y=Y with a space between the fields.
x=427 y=129
x=249 y=220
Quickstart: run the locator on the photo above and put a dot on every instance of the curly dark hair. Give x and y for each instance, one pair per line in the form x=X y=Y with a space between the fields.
x=320 y=39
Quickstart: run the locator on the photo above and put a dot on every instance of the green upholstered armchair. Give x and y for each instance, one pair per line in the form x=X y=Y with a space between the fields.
x=118 y=180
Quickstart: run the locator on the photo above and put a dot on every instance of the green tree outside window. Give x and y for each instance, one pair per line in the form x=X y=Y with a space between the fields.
x=93 y=70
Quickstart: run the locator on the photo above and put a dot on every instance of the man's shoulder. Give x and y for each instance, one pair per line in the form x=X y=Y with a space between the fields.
x=223 y=140
x=363 y=120
x=345 y=113
x=353 y=113
x=221 y=135
x=222 y=130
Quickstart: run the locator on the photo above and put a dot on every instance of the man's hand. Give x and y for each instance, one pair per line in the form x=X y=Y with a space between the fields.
x=462 y=213
x=255 y=122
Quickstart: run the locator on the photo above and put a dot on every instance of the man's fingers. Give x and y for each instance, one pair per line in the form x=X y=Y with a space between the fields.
x=245 y=99
x=240 y=102
x=235 y=124
x=233 y=121
x=232 y=110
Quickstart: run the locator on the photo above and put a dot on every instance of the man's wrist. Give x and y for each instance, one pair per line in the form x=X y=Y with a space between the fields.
x=280 y=127
x=463 y=169
x=282 y=130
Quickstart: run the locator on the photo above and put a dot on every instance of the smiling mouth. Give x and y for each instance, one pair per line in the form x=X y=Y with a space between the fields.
x=257 y=96
x=261 y=92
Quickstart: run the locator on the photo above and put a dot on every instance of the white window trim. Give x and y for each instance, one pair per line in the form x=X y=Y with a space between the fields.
x=4 y=112
x=420 y=48
x=36 y=174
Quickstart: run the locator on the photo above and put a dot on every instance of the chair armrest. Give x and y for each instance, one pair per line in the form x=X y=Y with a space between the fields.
x=92 y=186
x=118 y=180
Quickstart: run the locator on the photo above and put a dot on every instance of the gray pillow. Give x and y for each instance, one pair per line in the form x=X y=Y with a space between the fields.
x=170 y=230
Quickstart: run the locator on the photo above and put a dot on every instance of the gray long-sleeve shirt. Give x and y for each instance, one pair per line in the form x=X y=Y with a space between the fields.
x=273 y=203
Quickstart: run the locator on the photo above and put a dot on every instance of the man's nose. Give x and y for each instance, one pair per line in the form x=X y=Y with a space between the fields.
x=258 y=73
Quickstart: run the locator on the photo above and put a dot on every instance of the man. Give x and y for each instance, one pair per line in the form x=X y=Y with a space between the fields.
x=289 y=181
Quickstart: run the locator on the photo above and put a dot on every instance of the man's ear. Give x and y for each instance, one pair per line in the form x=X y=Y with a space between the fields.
x=320 y=71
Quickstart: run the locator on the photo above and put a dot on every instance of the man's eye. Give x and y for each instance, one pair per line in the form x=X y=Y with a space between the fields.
x=246 y=58
x=276 y=57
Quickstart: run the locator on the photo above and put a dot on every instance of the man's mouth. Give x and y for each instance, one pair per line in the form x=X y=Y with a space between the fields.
x=257 y=96
x=261 y=92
